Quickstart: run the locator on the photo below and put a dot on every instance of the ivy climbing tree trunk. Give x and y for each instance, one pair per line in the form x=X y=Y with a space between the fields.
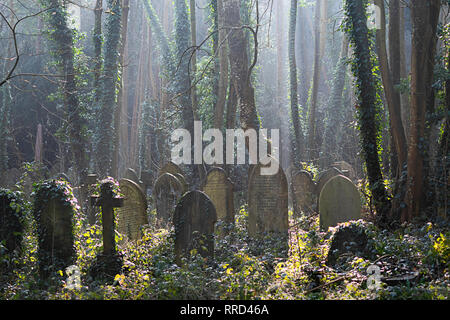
x=62 y=38
x=298 y=132
x=425 y=17
x=367 y=111
x=108 y=102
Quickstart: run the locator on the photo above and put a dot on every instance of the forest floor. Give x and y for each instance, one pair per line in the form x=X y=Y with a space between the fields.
x=410 y=263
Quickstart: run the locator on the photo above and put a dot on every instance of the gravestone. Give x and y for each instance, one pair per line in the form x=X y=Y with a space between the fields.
x=183 y=182
x=11 y=219
x=220 y=190
x=54 y=208
x=194 y=220
x=171 y=168
x=166 y=192
x=346 y=168
x=303 y=192
x=108 y=201
x=339 y=201
x=133 y=214
x=325 y=176
x=267 y=203
x=131 y=174
x=109 y=262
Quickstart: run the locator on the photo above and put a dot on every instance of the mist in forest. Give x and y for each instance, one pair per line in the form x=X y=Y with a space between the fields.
x=99 y=86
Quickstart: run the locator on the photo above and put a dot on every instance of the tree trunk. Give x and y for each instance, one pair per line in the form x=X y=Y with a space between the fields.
x=367 y=110
x=240 y=75
x=120 y=109
x=62 y=37
x=109 y=81
x=223 y=68
x=312 y=152
x=424 y=16
x=389 y=80
x=298 y=133
x=194 y=58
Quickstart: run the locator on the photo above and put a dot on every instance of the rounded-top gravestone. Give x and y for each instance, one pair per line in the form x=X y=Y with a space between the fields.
x=194 y=219
x=339 y=201
x=220 y=190
x=303 y=188
x=166 y=192
x=133 y=214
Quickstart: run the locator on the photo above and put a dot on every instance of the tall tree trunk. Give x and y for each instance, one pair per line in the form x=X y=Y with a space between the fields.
x=298 y=132
x=335 y=112
x=390 y=79
x=312 y=147
x=109 y=81
x=223 y=68
x=240 y=74
x=63 y=40
x=194 y=57
x=425 y=16
x=120 y=110
x=97 y=39
x=367 y=110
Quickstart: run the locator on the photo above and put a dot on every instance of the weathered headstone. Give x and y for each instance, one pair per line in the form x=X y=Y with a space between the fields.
x=346 y=168
x=303 y=191
x=194 y=220
x=220 y=190
x=133 y=214
x=166 y=192
x=267 y=203
x=11 y=215
x=339 y=201
x=54 y=208
x=108 y=201
x=183 y=182
x=325 y=176
x=171 y=168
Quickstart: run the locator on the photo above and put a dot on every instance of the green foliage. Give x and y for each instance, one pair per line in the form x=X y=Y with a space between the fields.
x=243 y=268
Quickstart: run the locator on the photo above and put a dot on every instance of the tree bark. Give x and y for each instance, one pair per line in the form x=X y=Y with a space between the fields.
x=298 y=133
x=312 y=147
x=240 y=73
x=425 y=16
x=390 y=79
x=108 y=102
x=367 y=110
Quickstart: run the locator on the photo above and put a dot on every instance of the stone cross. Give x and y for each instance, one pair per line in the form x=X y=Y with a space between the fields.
x=108 y=201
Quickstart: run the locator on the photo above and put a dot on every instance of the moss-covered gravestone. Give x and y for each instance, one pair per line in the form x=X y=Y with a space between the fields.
x=267 y=203
x=11 y=219
x=339 y=201
x=54 y=210
x=303 y=192
x=194 y=219
x=220 y=190
x=166 y=192
x=133 y=214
